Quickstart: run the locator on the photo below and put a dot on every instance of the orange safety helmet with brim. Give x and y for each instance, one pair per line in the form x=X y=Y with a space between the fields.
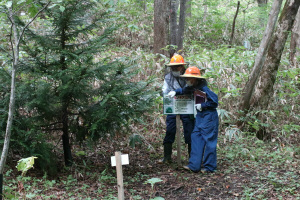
x=192 y=72
x=176 y=60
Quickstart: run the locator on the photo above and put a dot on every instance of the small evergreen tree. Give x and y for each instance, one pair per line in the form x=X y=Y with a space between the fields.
x=67 y=87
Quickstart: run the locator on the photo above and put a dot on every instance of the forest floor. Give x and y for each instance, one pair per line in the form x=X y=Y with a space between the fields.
x=247 y=169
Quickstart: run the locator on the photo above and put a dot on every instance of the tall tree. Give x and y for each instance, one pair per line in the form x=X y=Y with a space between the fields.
x=161 y=26
x=264 y=89
x=181 y=24
x=15 y=36
x=295 y=41
x=63 y=63
x=262 y=6
x=173 y=26
x=259 y=59
x=189 y=8
x=177 y=25
x=204 y=11
x=233 y=24
x=262 y=3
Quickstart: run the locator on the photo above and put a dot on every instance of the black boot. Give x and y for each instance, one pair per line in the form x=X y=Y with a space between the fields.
x=167 y=154
x=189 y=149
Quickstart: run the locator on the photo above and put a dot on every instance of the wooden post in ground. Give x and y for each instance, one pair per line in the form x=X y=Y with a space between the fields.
x=119 y=175
x=178 y=139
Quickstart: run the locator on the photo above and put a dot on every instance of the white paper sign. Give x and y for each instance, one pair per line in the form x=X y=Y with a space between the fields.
x=124 y=160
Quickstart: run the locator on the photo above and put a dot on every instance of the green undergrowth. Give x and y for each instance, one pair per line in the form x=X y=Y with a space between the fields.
x=273 y=167
x=89 y=185
x=269 y=170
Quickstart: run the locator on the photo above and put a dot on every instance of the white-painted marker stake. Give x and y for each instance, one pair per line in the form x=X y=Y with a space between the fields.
x=118 y=160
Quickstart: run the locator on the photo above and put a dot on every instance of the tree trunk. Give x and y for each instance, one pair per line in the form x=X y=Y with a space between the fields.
x=188 y=8
x=259 y=60
x=65 y=104
x=65 y=137
x=233 y=24
x=295 y=41
x=15 y=49
x=161 y=26
x=262 y=4
x=15 y=39
x=145 y=5
x=204 y=12
x=10 y=112
x=173 y=27
x=180 y=33
x=264 y=89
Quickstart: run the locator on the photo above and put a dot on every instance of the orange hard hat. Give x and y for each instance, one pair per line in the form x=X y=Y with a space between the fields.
x=176 y=60
x=192 y=72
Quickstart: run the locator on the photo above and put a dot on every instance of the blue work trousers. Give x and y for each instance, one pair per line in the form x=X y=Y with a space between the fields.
x=204 y=141
x=188 y=126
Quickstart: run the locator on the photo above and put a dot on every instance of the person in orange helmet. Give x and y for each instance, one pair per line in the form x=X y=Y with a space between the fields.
x=172 y=82
x=205 y=134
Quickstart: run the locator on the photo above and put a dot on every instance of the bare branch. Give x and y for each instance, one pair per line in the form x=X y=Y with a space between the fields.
x=36 y=15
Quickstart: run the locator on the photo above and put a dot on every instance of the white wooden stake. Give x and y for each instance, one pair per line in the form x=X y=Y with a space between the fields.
x=119 y=175
x=178 y=139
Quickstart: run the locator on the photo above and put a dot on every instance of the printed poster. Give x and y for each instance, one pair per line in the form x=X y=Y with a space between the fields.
x=180 y=104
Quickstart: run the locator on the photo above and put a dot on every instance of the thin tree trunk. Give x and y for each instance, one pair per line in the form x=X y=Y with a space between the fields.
x=262 y=2
x=180 y=33
x=173 y=27
x=205 y=12
x=65 y=104
x=65 y=138
x=188 y=8
x=161 y=26
x=264 y=89
x=10 y=114
x=145 y=5
x=15 y=49
x=15 y=39
x=295 y=41
x=262 y=5
x=233 y=24
x=259 y=59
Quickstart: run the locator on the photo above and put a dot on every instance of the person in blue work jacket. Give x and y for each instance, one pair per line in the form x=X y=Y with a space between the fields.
x=172 y=82
x=205 y=134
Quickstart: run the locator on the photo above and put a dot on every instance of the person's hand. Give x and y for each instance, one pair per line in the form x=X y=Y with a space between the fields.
x=198 y=107
x=171 y=94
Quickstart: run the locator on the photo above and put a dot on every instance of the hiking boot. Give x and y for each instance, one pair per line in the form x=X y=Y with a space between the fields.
x=205 y=171
x=164 y=161
x=167 y=154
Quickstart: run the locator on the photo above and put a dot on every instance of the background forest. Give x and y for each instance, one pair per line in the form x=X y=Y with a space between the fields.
x=87 y=78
